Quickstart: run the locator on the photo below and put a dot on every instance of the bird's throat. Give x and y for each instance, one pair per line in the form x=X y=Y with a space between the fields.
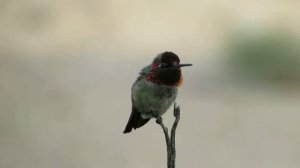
x=170 y=77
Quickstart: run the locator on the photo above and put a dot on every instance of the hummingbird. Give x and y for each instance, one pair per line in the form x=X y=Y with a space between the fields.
x=155 y=90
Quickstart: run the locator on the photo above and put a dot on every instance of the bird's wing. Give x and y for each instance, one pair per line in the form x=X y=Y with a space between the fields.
x=135 y=120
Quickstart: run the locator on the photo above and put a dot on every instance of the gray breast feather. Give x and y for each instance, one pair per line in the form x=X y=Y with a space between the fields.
x=151 y=99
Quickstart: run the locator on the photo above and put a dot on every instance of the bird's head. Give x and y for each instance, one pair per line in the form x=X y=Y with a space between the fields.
x=166 y=69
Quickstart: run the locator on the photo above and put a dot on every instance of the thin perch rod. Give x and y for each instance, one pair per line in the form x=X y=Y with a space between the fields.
x=170 y=142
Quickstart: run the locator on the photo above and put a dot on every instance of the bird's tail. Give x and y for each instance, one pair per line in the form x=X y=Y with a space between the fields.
x=135 y=121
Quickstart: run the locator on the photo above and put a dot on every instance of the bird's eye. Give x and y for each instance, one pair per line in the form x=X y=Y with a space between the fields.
x=162 y=65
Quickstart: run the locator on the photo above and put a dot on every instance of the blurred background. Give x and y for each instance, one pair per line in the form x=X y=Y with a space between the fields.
x=67 y=66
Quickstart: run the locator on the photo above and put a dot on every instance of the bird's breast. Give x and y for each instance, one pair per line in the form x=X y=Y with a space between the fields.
x=152 y=99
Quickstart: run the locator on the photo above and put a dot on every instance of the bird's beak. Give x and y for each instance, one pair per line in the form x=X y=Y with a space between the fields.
x=182 y=65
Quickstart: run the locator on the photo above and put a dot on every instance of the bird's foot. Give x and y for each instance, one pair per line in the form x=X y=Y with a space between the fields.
x=158 y=120
x=176 y=110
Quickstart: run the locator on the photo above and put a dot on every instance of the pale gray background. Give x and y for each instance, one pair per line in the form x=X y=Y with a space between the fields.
x=66 y=68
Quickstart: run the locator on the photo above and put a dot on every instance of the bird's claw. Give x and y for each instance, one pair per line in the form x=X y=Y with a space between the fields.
x=176 y=110
x=158 y=120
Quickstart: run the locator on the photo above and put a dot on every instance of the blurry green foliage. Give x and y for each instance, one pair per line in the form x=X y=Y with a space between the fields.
x=270 y=56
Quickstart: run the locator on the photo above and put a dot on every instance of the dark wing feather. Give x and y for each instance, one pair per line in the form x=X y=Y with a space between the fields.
x=135 y=120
